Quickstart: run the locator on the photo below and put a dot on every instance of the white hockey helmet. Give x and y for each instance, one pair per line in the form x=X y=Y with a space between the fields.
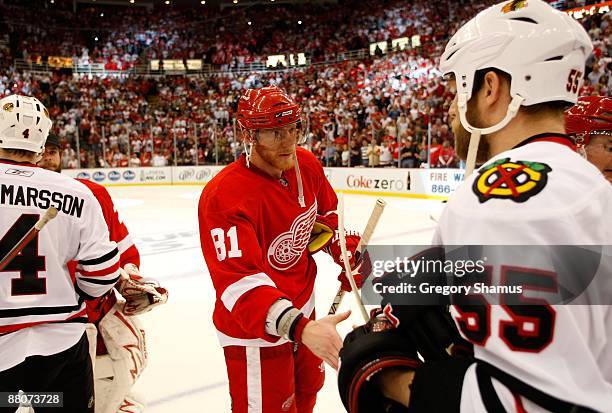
x=24 y=123
x=543 y=50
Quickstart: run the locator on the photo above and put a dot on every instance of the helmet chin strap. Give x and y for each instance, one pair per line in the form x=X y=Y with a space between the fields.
x=476 y=133
x=298 y=175
x=248 y=150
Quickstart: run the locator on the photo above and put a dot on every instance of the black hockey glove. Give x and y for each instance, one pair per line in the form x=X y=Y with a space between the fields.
x=430 y=329
x=368 y=350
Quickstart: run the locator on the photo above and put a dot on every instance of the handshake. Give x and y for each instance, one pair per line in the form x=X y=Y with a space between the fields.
x=381 y=359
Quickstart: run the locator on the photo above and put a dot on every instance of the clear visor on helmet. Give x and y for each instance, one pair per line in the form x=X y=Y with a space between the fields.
x=294 y=131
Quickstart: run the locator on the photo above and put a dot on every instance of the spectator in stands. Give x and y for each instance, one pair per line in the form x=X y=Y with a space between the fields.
x=408 y=156
x=447 y=157
x=434 y=152
x=373 y=154
x=345 y=155
x=385 y=154
x=159 y=160
x=402 y=125
x=422 y=154
x=69 y=160
x=135 y=160
x=365 y=156
x=355 y=154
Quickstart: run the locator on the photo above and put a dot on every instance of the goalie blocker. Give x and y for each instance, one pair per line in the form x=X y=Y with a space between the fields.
x=119 y=367
x=116 y=371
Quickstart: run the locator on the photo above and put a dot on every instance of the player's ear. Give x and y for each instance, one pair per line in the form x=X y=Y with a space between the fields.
x=494 y=97
x=494 y=87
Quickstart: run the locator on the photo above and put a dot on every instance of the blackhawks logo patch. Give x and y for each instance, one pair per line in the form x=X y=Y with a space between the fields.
x=515 y=180
x=514 y=5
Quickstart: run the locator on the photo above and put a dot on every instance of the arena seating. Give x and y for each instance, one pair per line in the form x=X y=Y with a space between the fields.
x=372 y=111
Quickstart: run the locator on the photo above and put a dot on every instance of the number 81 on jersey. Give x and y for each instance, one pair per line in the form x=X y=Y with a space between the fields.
x=218 y=236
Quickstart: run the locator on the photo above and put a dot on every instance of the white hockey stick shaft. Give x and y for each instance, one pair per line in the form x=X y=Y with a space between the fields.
x=365 y=240
x=25 y=240
x=346 y=260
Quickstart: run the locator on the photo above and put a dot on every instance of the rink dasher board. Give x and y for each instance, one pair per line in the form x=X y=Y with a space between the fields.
x=435 y=184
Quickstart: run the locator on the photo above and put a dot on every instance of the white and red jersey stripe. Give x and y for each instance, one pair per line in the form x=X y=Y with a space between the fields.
x=118 y=232
x=36 y=288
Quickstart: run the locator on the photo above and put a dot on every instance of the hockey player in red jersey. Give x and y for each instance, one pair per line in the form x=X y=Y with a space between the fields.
x=261 y=219
x=120 y=351
x=43 y=345
x=515 y=67
x=589 y=121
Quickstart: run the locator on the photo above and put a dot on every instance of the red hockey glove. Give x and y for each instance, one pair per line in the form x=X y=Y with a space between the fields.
x=359 y=263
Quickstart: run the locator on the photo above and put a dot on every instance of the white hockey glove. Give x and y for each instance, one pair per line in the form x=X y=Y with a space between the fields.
x=141 y=294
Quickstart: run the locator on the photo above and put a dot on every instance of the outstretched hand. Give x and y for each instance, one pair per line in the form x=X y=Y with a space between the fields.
x=321 y=337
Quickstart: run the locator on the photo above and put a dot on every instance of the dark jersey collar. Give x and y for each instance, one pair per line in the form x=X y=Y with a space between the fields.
x=559 y=138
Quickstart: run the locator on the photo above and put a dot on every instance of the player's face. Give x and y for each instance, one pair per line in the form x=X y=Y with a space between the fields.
x=51 y=159
x=462 y=136
x=599 y=153
x=277 y=146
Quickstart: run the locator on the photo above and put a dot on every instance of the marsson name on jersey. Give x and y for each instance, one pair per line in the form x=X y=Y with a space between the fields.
x=27 y=196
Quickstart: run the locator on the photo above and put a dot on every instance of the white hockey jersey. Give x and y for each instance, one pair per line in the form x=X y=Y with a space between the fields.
x=42 y=309
x=539 y=193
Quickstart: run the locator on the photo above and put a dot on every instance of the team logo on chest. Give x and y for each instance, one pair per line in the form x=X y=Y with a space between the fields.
x=287 y=248
x=515 y=180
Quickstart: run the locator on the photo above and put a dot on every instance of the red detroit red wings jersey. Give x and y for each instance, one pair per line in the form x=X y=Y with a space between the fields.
x=254 y=237
x=96 y=309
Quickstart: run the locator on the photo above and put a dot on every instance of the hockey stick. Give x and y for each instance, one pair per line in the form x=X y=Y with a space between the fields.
x=365 y=240
x=346 y=262
x=33 y=232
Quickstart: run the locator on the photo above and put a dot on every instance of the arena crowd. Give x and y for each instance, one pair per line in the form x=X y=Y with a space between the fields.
x=385 y=110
